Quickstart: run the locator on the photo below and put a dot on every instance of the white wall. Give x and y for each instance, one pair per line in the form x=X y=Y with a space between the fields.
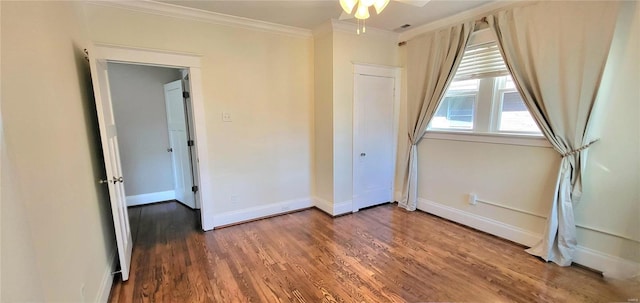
x=57 y=235
x=263 y=79
x=524 y=177
x=137 y=93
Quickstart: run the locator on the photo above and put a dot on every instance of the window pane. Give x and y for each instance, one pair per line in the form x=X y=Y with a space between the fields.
x=508 y=83
x=455 y=112
x=514 y=115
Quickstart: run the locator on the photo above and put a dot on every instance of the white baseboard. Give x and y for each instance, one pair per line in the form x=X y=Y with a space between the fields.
x=610 y=266
x=487 y=225
x=333 y=209
x=323 y=205
x=107 y=280
x=342 y=208
x=151 y=198
x=257 y=212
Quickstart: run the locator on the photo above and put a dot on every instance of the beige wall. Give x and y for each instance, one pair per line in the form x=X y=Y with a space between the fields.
x=404 y=125
x=524 y=177
x=516 y=176
x=348 y=48
x=60 y=217
x=137 y=93
x=57 y=235
x=611 y=196
x=323 y=116
x=336 y=50
x=56 y=231
x=265 y=80
x=20 y=276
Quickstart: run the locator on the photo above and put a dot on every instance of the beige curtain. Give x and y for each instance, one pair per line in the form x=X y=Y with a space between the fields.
x=432 y=60
x=556 y=52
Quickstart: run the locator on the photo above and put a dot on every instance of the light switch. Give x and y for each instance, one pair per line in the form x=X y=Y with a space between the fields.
x=226 y=116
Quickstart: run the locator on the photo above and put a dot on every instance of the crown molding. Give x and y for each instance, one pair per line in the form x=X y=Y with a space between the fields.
x=176 y=11
x=350 y=28
x=334 y=25
x=460 y=17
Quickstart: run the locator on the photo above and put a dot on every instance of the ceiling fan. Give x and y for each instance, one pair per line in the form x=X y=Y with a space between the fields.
x=359 y=9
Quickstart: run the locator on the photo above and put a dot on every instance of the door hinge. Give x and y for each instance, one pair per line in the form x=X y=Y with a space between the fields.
x=190 y=143
x=185 y=95
x=194 y=188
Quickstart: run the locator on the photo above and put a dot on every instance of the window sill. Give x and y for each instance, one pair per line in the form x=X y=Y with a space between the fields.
x=492 y=138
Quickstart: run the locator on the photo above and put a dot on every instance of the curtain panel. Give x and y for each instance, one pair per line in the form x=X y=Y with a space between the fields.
x=556 y=53
x=432 y=60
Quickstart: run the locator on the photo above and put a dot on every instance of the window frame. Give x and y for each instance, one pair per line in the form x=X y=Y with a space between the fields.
x=487 y=112
x=498 y=106
x=462 y=92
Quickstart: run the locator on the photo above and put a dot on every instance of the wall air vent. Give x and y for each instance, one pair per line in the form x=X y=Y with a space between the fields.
x=402 y=28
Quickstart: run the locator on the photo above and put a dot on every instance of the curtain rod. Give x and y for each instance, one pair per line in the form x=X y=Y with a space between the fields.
x=478 y=26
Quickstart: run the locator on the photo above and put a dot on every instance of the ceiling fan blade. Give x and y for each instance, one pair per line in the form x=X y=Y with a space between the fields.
x=418 y=3
x=345 y=16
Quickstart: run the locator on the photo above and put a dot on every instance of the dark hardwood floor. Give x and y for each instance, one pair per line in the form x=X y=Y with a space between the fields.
x=382 y=254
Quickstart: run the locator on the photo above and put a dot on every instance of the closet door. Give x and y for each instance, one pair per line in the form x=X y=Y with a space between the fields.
x=373 y=142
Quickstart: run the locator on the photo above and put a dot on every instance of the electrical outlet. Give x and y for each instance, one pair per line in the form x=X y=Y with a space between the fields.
x=473 y=199
x=226 y=117
x=234 y=198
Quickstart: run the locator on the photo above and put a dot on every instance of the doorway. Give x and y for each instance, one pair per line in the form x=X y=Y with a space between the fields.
x=155 y=144
x=375 y=120
x=99 y=57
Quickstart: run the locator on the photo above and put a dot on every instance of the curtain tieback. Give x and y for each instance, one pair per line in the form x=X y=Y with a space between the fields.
x=579 y=149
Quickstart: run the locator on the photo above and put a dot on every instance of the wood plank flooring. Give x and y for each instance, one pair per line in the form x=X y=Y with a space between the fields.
x=382 y=254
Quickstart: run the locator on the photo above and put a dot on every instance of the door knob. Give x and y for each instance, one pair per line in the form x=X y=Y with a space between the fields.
x=116 y=180
x=363 y=154
x=101 y=181
x=170 y=149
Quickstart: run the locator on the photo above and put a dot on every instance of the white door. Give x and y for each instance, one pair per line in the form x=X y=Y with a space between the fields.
x=373 y=142
x=178 y=138
x=190 y=123
x=114 y=180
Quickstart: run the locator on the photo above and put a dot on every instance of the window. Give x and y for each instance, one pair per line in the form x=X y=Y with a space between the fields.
x=457 y=109
x=482 y=98
x=513 y=113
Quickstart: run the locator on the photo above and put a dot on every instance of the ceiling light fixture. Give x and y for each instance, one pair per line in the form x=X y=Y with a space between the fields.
x=362 y=11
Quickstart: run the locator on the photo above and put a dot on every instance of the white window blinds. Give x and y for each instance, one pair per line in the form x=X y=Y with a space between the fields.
x=481 y=61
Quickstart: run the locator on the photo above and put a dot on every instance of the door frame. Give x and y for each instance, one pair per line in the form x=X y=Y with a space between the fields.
x=376 y=71
x=192 y=63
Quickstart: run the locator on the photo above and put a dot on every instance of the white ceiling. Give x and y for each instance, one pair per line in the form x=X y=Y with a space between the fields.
x=309 y=14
